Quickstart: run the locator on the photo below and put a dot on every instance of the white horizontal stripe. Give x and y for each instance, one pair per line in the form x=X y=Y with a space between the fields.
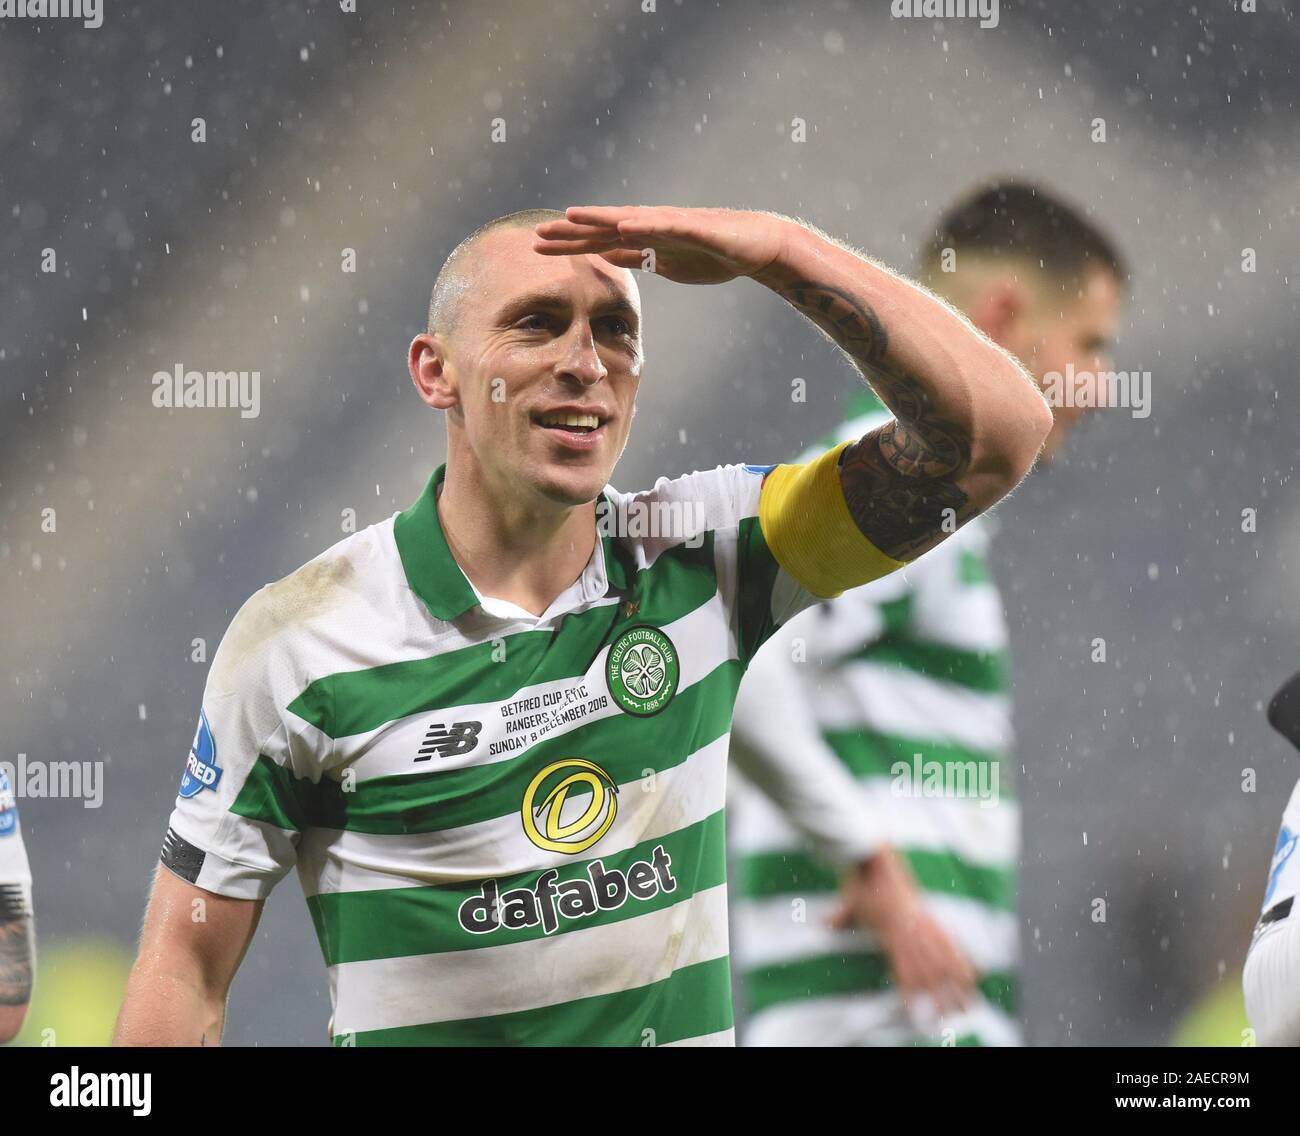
x=890 y=700
x=702 y=640
x=332 y=860
x=767 y=935
x=755 y=824
x=871 y=1019
x=818 y=637
x=347 y=609
x=721 y=1038
x=458 y=985
x=966 y=617
x=964 y=826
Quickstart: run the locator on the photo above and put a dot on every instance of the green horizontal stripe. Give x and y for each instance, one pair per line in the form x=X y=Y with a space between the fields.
x=764 y=875
x=831 y=975
x=896 y=614
x=985 y=671
x=273 y=795
x=354 y=702
x=624 y=746
x=396 y=922
x=868 y=754
x=768 y=874
x=691 y=1002
x=965 y=1041
x=972 y=568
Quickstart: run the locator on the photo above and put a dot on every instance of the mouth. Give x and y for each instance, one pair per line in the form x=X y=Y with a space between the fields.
x=574 y=429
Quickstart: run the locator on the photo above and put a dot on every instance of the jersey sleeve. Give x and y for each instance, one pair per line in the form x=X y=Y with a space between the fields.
x=243 y=799
x=778 y=745
x=719 y=515
x=15 y=872
x=772 y=546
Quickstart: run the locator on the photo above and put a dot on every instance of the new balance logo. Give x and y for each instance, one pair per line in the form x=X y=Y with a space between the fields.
x=450 y=741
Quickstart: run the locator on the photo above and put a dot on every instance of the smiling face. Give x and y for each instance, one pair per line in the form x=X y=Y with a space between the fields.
x=538 y=373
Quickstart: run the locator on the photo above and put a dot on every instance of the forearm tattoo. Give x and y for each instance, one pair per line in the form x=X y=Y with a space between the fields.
x=900 y=480
x=17 y=947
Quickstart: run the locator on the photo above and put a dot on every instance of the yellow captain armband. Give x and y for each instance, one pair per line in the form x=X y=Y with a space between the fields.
x=807 y=525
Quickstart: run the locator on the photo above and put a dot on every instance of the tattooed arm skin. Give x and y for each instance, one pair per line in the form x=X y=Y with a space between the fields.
x=969 y=421
x=17 y=959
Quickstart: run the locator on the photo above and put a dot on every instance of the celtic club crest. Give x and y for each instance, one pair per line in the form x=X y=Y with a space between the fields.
x=642 y=671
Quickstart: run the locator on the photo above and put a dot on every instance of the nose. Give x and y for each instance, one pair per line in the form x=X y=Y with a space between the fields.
x=580 y=361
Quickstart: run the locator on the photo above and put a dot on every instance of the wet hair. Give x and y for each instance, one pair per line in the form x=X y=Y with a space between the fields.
x=1019 y=220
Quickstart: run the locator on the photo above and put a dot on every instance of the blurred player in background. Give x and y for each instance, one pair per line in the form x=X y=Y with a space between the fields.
x=874 y=896
x=1271 y=978
x=17 y=927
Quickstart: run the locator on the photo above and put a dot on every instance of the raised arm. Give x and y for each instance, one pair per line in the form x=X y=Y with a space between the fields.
x=969 y=421
x=778 y=744
x=190 y=948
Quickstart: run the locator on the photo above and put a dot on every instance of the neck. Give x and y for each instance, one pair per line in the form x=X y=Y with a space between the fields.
x=521 y=548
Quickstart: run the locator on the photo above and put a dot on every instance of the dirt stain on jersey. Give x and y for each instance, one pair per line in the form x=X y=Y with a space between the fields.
x=301 y=596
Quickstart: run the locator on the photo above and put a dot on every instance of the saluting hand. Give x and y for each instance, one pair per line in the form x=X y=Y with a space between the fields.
x=690 y=246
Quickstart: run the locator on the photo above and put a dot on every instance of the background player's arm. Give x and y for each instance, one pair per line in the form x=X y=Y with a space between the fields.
x=190 y=948
x=17 y=925
x=780 y=748
x=17 y=958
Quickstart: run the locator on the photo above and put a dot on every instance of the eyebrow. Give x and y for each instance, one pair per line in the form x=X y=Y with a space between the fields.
x=555 y=298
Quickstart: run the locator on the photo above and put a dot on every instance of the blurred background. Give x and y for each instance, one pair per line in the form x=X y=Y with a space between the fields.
x=373 y=131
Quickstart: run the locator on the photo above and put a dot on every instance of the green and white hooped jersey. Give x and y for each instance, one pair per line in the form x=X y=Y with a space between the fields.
x=913 y=664
x=509 y=829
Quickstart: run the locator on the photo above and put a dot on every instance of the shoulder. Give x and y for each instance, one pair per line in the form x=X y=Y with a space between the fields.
x=713 y=498
x=279 y=622
x=701 y=508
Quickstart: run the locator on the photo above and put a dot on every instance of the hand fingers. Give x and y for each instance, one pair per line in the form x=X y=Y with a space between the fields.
x=956 y=967
x=953 y=989
x=933 y=966
x=965 y=976
x=570 y=231
x=629 y=220
x=841 y=919
x=625 y=258
x=574 y=248
x=607 y=216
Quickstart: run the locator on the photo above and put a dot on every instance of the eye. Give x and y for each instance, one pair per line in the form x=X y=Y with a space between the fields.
x=619 y=325
x=538 y=321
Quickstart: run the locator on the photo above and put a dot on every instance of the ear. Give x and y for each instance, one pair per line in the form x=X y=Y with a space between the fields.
x=428 y=364
x=999 y=310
